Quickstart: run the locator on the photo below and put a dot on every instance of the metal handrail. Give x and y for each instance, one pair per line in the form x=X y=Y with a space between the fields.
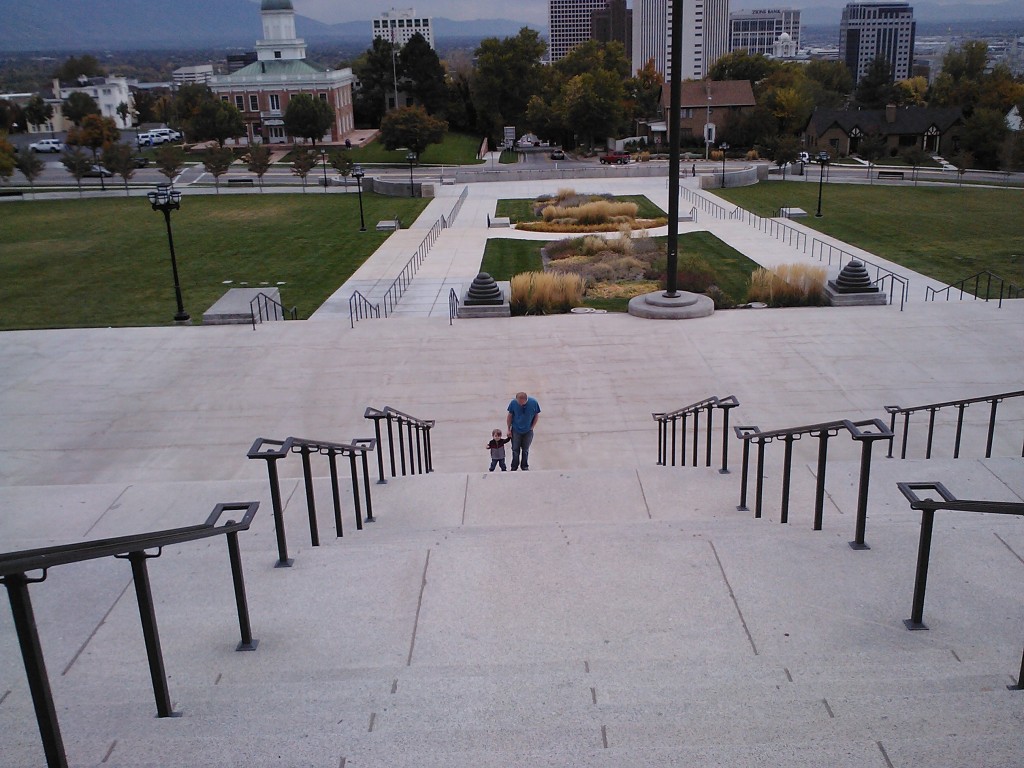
x=866 y=432
x=359 y=307
x=394 y=292
x=881 y=273
x=456 y=208
x=928 y=508
x=264 y=302
x=706 y=205
x=273 y=451
x=453 y=306
x=420 y=454
x=960 y=405
x=1006 y=289
x=14 y=570
x=665 y=420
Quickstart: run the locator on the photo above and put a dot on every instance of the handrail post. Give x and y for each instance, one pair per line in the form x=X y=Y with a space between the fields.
x=674 y=440
x=332 y=460
x=696 y=431
x=726 y=404
x=892 y=426
x=391 y=445
x=147 y=614
x=408 y=429
x=682 y=442
x=272 y=457
x=355 y=490
x=819 y=484
x=707 y=447
x=247 y=643
x=307 y=476
x=906 y=433
x=787 y=464
x=366 y=490
x=401 y=443
x=740 y=432
x=427 y=447
x=991 y=428
x=931 y=431
x=921 y=578
x=380 y=453
x=35 y=669
x=759 y=482
x=419 y=443
x=959 y=429
x=661 y=441
x=867 y=432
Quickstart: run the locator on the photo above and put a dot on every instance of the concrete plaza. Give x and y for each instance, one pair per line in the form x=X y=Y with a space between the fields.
x=600 y=610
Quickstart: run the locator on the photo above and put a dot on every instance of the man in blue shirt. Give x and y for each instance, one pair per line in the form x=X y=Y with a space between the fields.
x=523 y=414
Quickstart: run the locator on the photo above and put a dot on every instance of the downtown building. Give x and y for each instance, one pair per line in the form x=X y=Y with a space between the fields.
x=398 y=27
x=873 y=30
x=760 y=30
x=705 y=35
x=261 y=90
x=569 y=24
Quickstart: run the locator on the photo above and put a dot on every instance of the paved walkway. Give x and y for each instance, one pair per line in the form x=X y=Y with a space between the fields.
x=597 y=611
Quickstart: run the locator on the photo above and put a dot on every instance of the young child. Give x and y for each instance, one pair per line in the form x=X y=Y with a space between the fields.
x=497 y=448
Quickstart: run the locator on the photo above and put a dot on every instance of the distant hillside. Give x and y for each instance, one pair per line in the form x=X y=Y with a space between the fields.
x=75 y=25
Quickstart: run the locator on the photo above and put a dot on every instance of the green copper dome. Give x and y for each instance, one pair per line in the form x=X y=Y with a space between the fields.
x=276 y=5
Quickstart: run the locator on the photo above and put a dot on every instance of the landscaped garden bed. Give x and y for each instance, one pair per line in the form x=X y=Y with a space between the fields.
x=569 y=211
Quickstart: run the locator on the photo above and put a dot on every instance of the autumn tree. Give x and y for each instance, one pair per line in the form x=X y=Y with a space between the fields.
x=94 y=133
x=119 y=160
x=308 y=117
x=342 y=163
x=643 y=91
x=217 y=161
x=77 y=105
x=31 y=167
x=872 y=149
x=170 y=160
x=37 y=112
x=258 y=161
x=77 y=164
x=740 y=65
x=413 y=128
x=215 y=120
x=6 y=159
x=304 y=160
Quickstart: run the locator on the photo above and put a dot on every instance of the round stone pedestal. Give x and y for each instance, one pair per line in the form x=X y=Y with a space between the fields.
x=682 y=306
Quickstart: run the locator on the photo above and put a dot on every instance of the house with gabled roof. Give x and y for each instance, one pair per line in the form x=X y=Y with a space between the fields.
x=840 y=131
x=718 y=102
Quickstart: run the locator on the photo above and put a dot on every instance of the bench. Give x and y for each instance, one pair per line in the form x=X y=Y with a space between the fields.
x=890 y=174
x=389 y=225
x=498 y=221
x=240 y=182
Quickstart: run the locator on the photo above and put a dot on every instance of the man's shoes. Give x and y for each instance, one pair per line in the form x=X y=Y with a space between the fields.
x=525 y=468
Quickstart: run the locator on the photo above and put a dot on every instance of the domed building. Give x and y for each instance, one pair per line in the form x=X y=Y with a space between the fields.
x=262 y=89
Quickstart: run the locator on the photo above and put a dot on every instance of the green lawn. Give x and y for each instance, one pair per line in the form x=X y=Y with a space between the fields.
x=522 y=209
x=505 y=257
x=946 y=233
x=456 y=149
x=105 y=262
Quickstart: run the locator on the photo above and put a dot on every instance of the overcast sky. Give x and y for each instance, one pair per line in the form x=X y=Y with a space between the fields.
x=335 y=11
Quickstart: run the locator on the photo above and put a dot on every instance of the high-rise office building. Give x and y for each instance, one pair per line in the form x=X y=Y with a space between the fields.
x=705 y=35
x=613 y=23
x=759 y=30
x=569 y=24
x=399 y=26
x=872 y=30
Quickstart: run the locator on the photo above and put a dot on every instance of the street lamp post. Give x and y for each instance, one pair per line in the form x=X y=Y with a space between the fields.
x=823 y=161
x=323 y=160
x=723 y=146
x=166 y=200
x=357 y=174
x=411 y=157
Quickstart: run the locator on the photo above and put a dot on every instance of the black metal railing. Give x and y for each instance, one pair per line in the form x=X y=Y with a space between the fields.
x=865 y=432
x=413 y=438
x=273 y=451
x=450 y=218
x=360 y=307
x=669 y=424
x=264 y=307
x=704 y=204
x=928 y=507
x=934 y=408
x=400 y=283
x=1006 y=289
x=453 y=306
x=15 y=568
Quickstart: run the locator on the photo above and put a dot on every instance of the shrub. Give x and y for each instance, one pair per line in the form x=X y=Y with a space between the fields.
x=545 y=293
x=625 y=289
x=789 y=285
x=722 y=299
x=753 y=155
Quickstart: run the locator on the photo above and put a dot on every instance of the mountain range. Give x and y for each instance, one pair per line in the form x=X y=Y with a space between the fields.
x=83 y=25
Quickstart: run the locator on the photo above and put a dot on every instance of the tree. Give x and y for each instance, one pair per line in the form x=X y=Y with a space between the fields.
x=77 y=164
x=118 y=159
x=6 y=159
x=37 y=112
x=644 y=91
x=342 y=163
x=830 y=83
x=910 y=92
x=983 y=136
x=215 y=120
x=94 y=133
x=508 y=72
x=217 y=162
x=593 y=104
x=76 y=67
x=308 y=117
x=259 y=161
x=77 y=105
x=305 y=160
x=916 y=157
x=963 y=160
x=422 y=76
x=31 y=167
x=170 y=160
x=872 y=149
x=123 y=110
x=375 y=70
x=874 y=90
x=787 y=150
x=740 y=65
x=413 y=128
x=145 y=106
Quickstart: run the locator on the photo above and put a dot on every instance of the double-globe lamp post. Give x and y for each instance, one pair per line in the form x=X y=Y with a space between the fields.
x=166 y=200
x=323 y=161
x=823 y=159
x=411 y=157
x=357 y=174
x=723 y=146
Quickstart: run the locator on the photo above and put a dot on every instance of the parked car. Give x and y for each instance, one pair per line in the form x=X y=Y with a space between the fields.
x=823 y=157
x=163 y=135
x=98 y=172
x=557 y=154
x=140 y=161
x=145 y=139
x=803 y=157
x=616 y=157
x=47 y=145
